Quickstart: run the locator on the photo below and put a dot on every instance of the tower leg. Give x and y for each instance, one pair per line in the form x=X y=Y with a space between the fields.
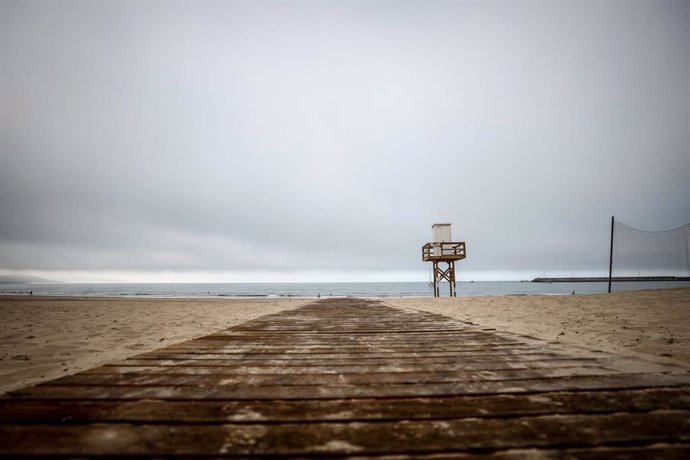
x=451 y=277
x=448 y=275
x=436 y=280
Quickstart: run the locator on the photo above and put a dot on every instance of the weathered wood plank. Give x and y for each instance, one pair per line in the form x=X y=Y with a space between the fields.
x=319 y=379
x=286 y=357
x=241 y=392
x=180 y=359
x=230 y=336
x=347 y=438
x=373 y=364
x=14 y=410
x=289 y=348
x=354 y=334
x=239 y=368
x=655 y=451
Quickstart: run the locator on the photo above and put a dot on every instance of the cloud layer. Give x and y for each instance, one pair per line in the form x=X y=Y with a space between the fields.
x=292 y=137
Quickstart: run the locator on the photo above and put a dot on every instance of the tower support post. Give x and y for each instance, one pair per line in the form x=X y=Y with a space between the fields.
x=451 y=280
x=444 y=274
x=436 y=280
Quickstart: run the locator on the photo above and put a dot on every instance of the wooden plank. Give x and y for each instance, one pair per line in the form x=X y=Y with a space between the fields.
x=13 y=410
x=200 y=347
x=400 y=333
x=371 y=362
x=289 y=357
x=346 y=359
x=346 y=438
x=345 y=333
x=230 y=369
x=240 y=392
x=320 y=379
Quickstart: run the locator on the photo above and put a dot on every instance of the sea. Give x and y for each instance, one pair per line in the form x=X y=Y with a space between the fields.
x=309 y=290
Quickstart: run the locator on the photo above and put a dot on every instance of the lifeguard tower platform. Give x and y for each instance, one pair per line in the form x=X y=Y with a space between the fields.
x=443 y=250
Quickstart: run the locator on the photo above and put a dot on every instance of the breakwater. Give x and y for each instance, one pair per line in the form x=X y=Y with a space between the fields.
x=603 y=279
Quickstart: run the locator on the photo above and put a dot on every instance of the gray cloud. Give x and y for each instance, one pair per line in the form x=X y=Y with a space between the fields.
x=200 y=135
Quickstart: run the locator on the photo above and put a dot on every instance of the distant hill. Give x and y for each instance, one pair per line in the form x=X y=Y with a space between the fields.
x=25 y=279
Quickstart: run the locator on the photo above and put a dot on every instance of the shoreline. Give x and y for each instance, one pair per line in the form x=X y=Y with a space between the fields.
x=267 y=297
x=240 y=291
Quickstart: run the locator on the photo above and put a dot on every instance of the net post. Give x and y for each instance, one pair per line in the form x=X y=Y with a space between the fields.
x=687 y=251
x=611 y=257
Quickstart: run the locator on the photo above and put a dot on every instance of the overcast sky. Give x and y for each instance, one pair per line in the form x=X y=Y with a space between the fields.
x=294 y=141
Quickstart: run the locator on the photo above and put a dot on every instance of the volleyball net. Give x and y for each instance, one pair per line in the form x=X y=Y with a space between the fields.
x=656 y=255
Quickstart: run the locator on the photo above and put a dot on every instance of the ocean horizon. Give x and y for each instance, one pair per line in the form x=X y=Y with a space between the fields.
x=316 y=290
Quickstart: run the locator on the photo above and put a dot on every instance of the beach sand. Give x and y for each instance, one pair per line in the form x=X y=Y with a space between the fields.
x=42 y=338
x=652 y=323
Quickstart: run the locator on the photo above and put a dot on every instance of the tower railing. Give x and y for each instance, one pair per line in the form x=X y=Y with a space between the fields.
x=447 y=250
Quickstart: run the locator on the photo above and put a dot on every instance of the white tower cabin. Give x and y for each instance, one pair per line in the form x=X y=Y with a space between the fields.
x=443 y=250
x=440 y=234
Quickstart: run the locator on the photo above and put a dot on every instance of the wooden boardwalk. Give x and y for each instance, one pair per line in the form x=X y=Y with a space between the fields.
x=355 y=378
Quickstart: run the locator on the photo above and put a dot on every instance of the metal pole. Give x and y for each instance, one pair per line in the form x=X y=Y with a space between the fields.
x=687 y=250
x=611 y=257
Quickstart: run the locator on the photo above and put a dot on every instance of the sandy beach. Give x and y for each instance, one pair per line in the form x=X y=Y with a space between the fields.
x=652 y=323
x=42 y=338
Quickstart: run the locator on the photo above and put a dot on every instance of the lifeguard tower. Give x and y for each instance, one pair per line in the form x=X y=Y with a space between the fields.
x=443 y=249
